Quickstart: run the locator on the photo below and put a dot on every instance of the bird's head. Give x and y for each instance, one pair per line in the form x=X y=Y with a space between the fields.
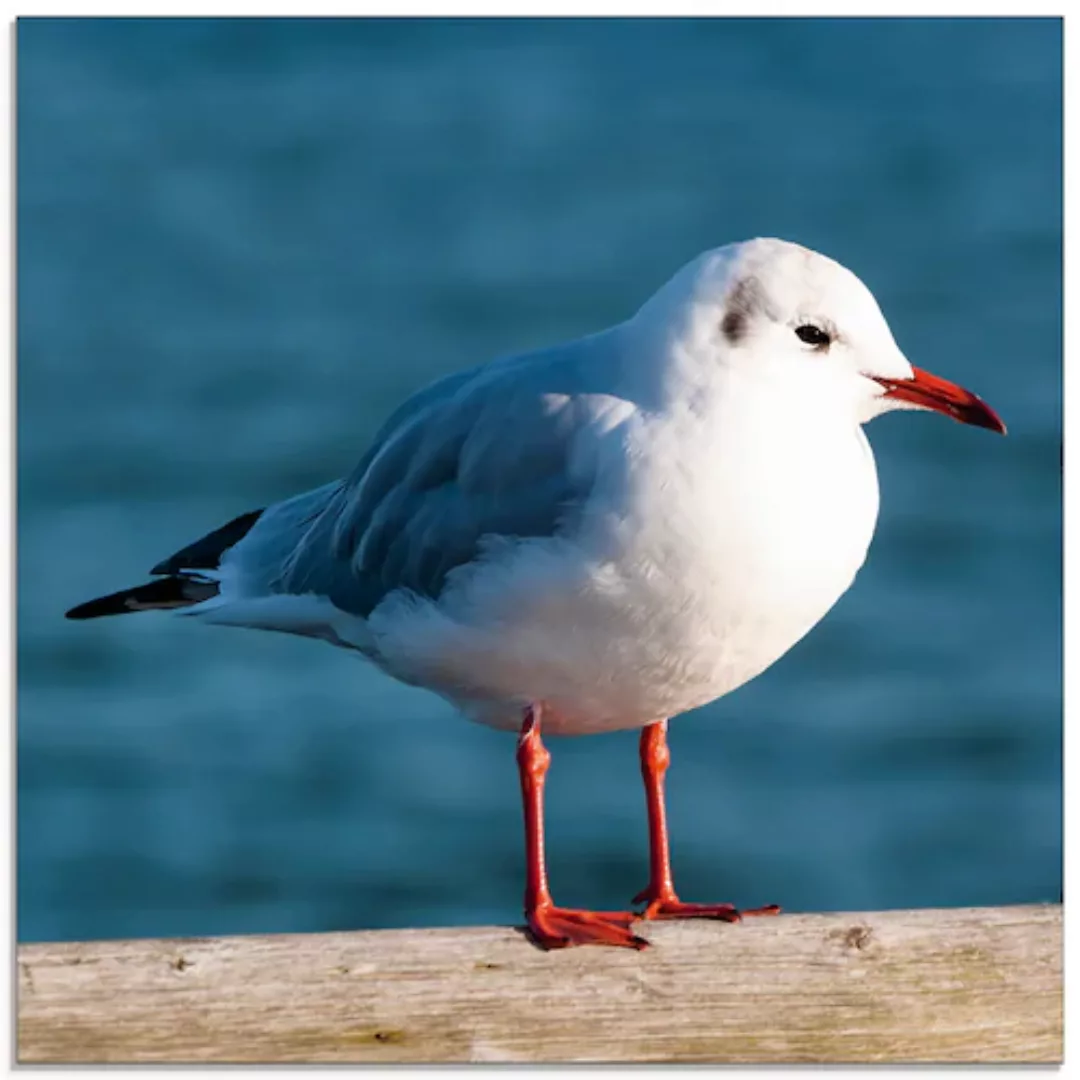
x=779 y=312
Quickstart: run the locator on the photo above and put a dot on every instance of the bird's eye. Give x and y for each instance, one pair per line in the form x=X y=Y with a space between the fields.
x=813 y=335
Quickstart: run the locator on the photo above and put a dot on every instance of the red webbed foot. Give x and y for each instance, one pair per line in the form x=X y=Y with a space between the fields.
x=666 y=905
x=559 y=928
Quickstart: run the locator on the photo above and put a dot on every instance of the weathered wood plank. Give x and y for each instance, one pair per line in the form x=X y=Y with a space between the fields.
x=936 y=985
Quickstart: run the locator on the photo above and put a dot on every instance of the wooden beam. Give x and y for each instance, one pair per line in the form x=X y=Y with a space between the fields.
x=935 y=985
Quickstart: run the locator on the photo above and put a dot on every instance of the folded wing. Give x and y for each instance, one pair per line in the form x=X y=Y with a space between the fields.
x=489 y=453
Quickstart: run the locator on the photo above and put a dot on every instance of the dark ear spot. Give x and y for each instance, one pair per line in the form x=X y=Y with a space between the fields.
x=743 y=300
x=733 y=327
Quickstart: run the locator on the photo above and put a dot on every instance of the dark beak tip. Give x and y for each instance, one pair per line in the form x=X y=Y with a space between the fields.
x=990 y=420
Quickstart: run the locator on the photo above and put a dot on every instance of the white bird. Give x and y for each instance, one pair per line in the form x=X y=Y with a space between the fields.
x=597 y=536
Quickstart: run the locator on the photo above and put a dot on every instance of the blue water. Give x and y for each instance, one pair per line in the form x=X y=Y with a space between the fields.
x=241 y=243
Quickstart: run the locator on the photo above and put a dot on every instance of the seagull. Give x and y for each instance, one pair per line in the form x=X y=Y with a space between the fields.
x=596 y=536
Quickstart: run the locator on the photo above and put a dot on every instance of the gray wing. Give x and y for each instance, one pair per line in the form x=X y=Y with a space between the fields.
x=486 y=452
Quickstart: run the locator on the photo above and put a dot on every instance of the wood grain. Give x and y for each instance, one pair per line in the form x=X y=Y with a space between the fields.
x=980 y=984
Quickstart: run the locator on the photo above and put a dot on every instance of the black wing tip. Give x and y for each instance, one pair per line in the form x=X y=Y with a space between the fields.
x=172 y=592
x=103 y=605
x=205 y=553
x=175 y=588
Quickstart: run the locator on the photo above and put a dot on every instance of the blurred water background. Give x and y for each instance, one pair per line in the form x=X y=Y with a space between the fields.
x=241 y=243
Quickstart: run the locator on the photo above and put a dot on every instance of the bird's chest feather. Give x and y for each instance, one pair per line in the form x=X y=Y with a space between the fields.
x=739 y=557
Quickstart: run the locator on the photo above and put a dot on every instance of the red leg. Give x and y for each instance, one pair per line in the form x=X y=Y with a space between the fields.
x=554 y=927
x=660 y=897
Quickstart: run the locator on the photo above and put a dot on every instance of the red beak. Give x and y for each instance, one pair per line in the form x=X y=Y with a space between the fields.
x=929 y=392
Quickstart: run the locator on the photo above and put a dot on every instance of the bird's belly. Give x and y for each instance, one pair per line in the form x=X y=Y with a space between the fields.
x=677 y=641
x=671 y=623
